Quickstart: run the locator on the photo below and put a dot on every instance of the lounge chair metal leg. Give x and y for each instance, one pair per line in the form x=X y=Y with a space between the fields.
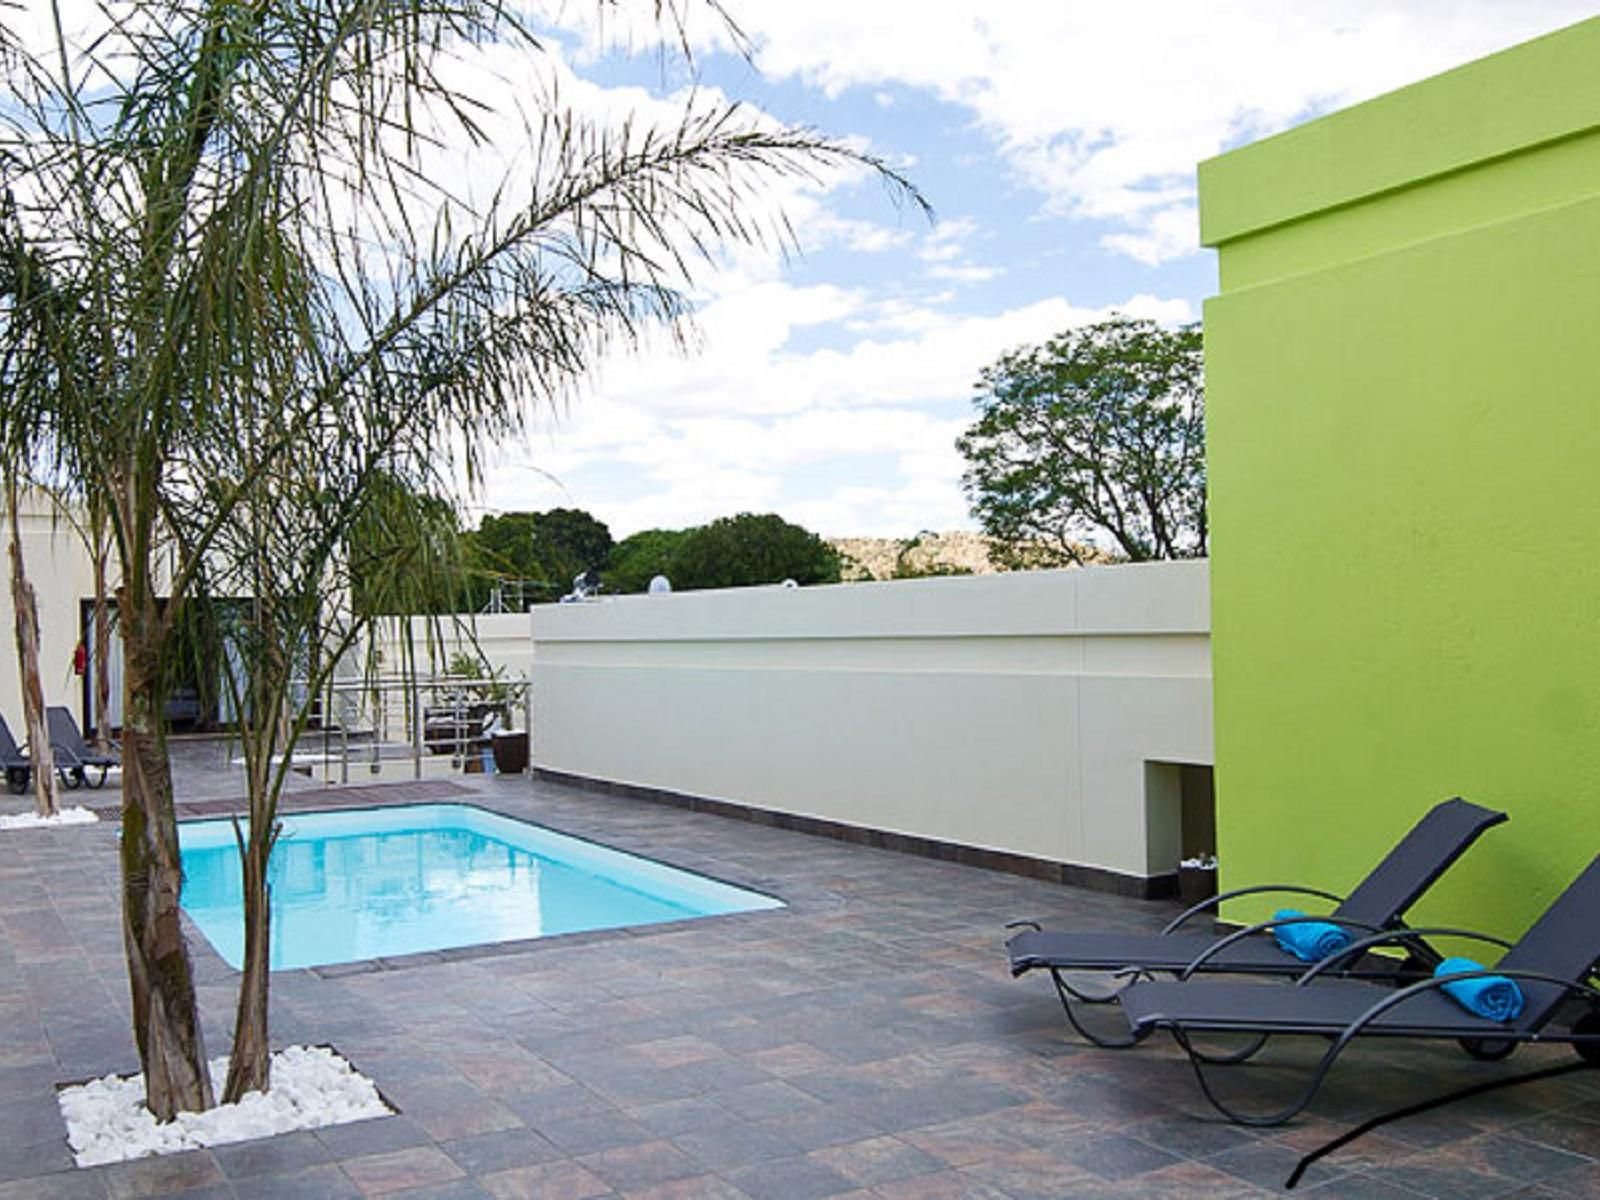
x=1587 y=1028
x=1237 y=1056
x=1487 y=1049
x=1411 y=1110
x=1197 y=1061
x=1070 y=995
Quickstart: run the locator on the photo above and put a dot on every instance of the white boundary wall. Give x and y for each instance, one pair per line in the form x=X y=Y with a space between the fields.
x=1013 y=713
x=58 y=567
x=503 y=639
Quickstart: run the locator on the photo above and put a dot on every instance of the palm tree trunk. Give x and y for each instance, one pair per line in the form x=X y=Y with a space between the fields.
x=101 y=553
x=26 y=606
x=166 y=1020
x=250 y=1064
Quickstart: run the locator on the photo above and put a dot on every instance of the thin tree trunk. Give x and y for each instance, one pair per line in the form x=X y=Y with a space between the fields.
x=166 y=1022
x=102 y=636
x=26 y=606
x=250 y=1064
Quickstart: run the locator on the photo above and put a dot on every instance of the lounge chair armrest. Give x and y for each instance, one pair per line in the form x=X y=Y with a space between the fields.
x=1397 y=936
x=65 y=756
x=1434 y=982
x=1205 y=905
x=1239 y=935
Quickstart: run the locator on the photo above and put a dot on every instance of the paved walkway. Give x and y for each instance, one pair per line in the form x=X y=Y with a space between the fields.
x=865 y=1041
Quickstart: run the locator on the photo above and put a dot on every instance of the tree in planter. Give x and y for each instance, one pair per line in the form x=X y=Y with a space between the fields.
x=25 y=608
x=1096 y=436
x=280 y=567
x=234 y=257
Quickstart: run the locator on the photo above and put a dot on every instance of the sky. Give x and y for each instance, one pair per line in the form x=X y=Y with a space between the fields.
x=1056 y=141
x=1057 y=144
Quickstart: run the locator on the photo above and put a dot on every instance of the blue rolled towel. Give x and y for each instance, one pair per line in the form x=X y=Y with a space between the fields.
x=1494 y=997
x=1309 y=941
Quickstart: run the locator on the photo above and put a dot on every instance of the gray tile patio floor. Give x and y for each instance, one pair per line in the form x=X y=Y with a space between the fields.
x=865 y=1041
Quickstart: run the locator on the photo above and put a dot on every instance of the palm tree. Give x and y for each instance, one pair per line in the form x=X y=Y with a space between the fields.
x=25 y=610
x=230 y=231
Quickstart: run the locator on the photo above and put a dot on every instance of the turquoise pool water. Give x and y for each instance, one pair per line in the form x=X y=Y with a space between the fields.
x=371 y=883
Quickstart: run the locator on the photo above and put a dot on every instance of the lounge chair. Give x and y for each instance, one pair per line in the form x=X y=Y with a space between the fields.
x=75 y=758
x=1377 y=903
x=1553 y=964
x=15 y=763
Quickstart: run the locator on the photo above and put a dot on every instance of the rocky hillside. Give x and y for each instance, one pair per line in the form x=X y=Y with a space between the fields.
x=959 y=552
x=876 y=558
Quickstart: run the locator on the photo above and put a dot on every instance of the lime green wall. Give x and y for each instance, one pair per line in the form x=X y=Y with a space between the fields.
x=1403 y=376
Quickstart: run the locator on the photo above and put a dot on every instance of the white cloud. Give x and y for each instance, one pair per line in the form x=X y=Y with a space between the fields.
x=684 y=440
x=823 y=228
x=1106 y=108
x=947 y=240
x=1169 y=233
x=967 y=273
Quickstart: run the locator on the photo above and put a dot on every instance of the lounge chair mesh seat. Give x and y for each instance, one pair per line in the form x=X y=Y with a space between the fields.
x=75 y=758
x=1378 y=902
x=1553 y=963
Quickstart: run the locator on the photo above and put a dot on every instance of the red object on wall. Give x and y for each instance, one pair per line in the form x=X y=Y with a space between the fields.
x=80 y=659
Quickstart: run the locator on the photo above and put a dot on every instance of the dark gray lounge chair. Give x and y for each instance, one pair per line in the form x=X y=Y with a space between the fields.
x=75 y=758
x=14 y=762
x=1378 y=902
x=1553 y=963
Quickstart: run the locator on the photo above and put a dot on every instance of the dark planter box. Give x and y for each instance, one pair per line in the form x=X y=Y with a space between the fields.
x=510 y=752
x=1196 y=884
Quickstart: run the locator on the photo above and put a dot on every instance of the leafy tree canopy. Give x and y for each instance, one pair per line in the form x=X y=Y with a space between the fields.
x=1098 y=437
x=748 y=549
x=640 y=557
x=552 y=547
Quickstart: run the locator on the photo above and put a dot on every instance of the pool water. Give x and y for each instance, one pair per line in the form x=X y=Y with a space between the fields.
x=373 y=883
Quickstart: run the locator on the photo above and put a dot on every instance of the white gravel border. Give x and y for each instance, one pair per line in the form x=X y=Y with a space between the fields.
x=77 y=815
x=312 y=1086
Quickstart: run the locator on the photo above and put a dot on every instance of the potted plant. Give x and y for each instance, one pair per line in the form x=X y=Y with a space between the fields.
x=510 y=750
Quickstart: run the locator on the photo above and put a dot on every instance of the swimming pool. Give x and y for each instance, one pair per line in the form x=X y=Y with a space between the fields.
x=374 y=883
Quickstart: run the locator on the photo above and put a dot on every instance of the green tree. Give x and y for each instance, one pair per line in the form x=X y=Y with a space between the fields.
x=567 y=542
x=551 y=547
x=640 y=557
x=504 y=545
x=748 y=549
x=227 y=278
x=1097 y=437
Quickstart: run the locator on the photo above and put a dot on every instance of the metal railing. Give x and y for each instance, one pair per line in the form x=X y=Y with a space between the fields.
x=372 y=722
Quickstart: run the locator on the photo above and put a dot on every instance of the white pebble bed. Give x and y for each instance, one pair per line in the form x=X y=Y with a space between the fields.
x=311 y=1086
x=63 y=816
